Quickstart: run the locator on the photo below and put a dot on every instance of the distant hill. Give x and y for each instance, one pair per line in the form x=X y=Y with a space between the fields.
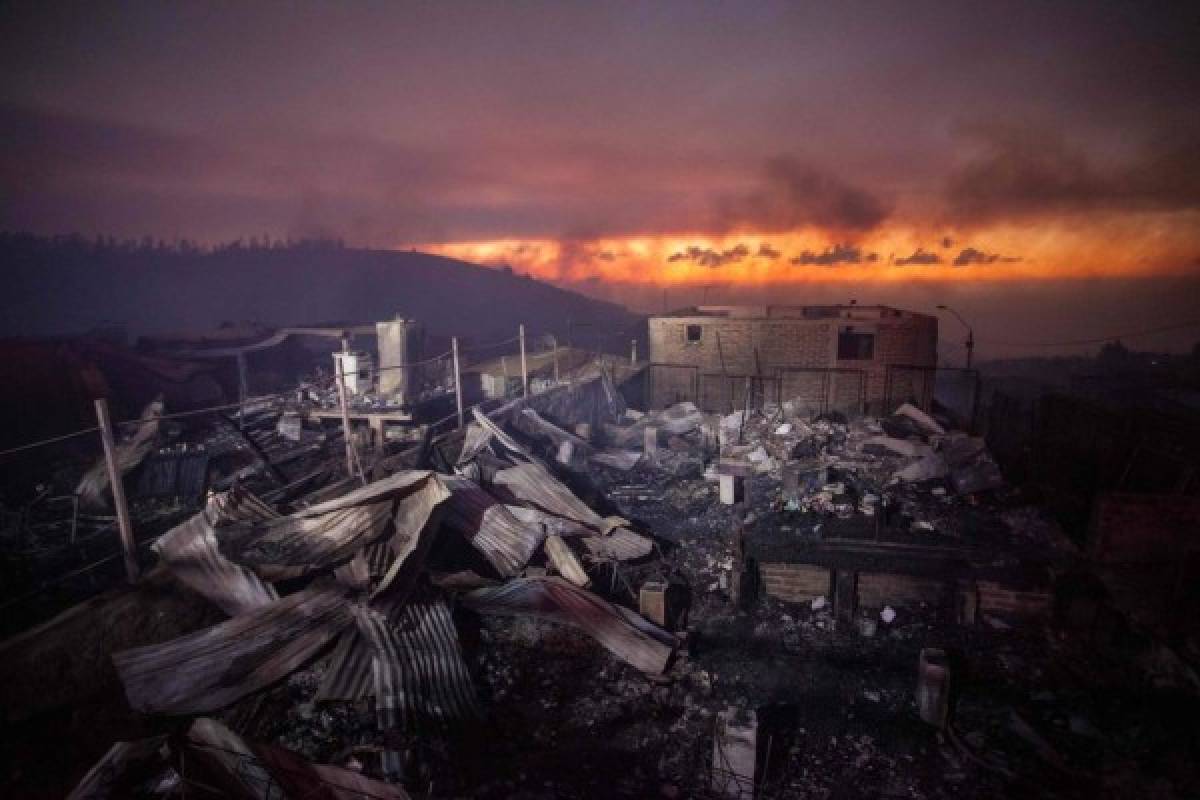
x=65 y=285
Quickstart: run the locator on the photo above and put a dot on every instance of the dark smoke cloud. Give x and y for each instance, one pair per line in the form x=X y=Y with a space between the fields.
x=708 y=257
x=919 y=257
x=1022 y=173
x=832 y=256
x=797 y=195
x=971 y=255
x=766 y=251
x=947 y=242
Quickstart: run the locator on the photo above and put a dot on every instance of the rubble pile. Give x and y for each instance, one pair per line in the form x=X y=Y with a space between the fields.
x=564 y=599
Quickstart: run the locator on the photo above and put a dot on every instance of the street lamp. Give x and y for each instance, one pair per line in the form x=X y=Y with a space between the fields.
x=970 y=332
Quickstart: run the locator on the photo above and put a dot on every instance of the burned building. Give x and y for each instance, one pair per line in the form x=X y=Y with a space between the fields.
x=850 y=358
x=401 y=343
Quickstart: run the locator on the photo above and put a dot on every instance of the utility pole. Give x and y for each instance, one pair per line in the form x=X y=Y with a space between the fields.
x=554 y=341
x=243 y=389
x=339 y=368
x=524 y=366
x=457 y=380
x=633 y=352
x=124 y=526
x=970 y=333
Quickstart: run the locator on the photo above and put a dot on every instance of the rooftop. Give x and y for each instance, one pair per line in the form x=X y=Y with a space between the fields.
x=851 y=311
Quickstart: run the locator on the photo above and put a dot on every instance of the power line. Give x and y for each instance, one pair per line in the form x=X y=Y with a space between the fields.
x=1100 y=339
x=51 y=440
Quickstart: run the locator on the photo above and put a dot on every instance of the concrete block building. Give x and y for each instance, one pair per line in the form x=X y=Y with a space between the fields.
x=851 y=358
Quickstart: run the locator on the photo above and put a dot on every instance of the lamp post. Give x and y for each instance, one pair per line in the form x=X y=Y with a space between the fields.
x=970 y=332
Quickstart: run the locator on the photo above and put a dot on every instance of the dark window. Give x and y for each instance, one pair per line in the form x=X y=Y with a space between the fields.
x=694 y=332
x=856 y=346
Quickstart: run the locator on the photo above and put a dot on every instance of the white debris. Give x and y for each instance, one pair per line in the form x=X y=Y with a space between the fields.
x=784 y=429
x=901 y=447
x=925 y=422
x=818 y=603
x=928 y=468
x=888 y=615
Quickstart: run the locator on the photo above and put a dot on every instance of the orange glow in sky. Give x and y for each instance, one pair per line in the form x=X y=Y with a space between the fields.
x=1127 y=245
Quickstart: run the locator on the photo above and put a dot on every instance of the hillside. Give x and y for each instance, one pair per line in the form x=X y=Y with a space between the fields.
x=69 y=284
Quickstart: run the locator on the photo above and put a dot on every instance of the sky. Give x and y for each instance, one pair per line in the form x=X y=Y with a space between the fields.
x=906 y=152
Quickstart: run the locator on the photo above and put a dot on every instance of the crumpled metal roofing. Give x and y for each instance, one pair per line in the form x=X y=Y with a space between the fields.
x=209 y=669
x=192 y=554
x=565 y=562
x=130 y=451
x=617 y=459
x=620 y=545
x=532 y=484
x=417 y=667
x=504 y=540
x=322 y=535
x=255 y=771
x=532 y=421
x=406 y=656
x=625 y=634
x=238 y=505
x=495 y=432
x=103 y=780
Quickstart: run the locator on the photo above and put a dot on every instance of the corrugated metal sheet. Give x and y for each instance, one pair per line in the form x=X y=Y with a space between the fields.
x=475 y=439
x=617 y=459
x=417 y=665
x=534 y=423
x=192 y=554
x=625 y=634
x=550 y=523
x=209 y=669
x=237 y=505
x=349 y=674
x=325 y=534
x=216 y=757
x=621 y=545
x=497 y=433
x=504 y=540
x=174 y=474
x=565 y=562
x=130 y=452
x=299 y=778
x=104 y=780
x=533 y=485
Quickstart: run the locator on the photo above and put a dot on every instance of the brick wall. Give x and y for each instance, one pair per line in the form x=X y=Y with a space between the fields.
x=750 y=346
x=995 y=598
x=879 y=589
x=795 y=583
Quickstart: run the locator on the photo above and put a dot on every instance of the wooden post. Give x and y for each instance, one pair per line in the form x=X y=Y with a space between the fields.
x=124 y=526
x=555 y=340
x=524 y=366
x=457 y=380
x=346 y=434
x=633 y=353
x=243 y=389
